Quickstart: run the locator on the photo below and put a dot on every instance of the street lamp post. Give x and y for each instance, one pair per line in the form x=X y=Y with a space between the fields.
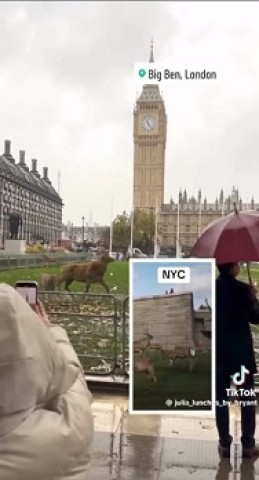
x=72 y=231
x=156 y=232
x=83 y=229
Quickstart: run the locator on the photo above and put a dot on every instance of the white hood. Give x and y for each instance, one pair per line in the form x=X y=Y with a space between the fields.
x=33 y=369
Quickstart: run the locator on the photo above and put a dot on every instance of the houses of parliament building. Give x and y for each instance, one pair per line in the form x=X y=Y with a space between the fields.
x=184 y=220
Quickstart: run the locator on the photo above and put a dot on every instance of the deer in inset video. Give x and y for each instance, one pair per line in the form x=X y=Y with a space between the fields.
x=156 y=348
x=184 y=353
x=145 y=365
x=143 y=343
x=181 y=352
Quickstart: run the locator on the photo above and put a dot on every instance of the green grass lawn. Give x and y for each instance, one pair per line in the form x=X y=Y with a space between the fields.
x=117 y=275
x=254 y=270
x=174 y=383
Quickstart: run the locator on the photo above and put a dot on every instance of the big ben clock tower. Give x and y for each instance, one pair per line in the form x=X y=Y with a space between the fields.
x=149 y=147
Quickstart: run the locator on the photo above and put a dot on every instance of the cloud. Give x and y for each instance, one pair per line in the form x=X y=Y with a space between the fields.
x=67 y=95
x=200 y=285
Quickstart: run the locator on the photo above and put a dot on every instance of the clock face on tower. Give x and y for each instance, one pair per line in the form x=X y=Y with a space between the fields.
x=148 y=123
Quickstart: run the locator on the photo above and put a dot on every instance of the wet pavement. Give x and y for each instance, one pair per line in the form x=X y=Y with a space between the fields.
x=153 y=447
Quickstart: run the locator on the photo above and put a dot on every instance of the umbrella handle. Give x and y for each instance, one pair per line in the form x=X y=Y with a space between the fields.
x=249 y=274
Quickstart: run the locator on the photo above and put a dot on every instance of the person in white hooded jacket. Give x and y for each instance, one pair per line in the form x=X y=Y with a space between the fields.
x=46 y=422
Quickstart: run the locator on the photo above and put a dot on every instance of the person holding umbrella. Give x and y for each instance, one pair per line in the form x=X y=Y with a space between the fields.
x=230 y=240
x=236 y=308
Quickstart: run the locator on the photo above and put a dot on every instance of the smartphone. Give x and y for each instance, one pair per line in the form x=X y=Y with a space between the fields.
x=28 y=290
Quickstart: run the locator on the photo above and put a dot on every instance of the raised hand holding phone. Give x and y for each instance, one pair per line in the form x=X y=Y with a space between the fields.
x=28 y=290
x=41 y=312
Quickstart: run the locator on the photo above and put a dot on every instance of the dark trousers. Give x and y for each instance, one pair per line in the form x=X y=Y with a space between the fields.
x=248 y=412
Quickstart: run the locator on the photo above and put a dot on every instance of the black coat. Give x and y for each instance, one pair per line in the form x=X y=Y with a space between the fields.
x=236 y=308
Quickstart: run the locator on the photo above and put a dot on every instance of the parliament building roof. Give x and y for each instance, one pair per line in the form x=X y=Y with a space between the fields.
x=20 y=174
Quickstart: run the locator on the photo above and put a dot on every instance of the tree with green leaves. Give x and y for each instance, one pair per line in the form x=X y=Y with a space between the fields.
x=121 y=231
x=144 y=228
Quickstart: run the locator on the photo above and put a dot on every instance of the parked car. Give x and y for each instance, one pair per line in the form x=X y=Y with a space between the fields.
x=136 y=253
x=113 y=255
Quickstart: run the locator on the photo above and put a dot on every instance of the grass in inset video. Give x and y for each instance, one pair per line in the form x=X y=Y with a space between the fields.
x=173 y=383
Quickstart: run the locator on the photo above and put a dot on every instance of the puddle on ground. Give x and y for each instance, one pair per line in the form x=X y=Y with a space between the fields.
x=153 y=447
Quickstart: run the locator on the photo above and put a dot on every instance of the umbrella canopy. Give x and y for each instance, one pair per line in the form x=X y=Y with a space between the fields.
x=233 y=238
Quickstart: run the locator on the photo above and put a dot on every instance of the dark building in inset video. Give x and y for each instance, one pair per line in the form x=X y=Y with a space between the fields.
x=26 y=194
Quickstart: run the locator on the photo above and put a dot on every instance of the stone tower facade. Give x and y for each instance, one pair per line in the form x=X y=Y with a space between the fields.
x=150 y=126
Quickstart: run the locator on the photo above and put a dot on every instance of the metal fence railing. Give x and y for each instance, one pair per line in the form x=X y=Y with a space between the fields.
x=125 y=336
x=27 y=261
x=97 y=325
x=255 y=333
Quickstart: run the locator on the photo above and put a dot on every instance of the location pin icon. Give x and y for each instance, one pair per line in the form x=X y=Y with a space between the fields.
x=142 y=72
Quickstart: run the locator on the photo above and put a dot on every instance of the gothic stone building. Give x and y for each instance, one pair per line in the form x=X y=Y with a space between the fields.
x=183 y=224
x=186 y=219
x=150 y=127
x=27 y=194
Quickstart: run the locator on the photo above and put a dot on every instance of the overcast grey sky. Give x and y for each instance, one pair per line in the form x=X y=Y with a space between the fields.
x=67 y=93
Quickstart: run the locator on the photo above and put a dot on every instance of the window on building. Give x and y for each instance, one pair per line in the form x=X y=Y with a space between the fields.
x=153 y=156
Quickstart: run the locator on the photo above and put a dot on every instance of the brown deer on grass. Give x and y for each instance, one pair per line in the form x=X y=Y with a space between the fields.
x=145 y=365
x=183 y=353
x=88 y=273
x=156 y=347
x=48 y=282
x=143 y=343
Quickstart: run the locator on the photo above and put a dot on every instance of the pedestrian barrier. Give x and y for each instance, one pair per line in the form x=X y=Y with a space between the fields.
x=255 y=333
x=97 y=325
x=125 y=336
x=28 y=261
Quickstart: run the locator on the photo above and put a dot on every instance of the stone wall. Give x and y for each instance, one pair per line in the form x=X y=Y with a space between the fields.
x=169 y=318
x=202 y=321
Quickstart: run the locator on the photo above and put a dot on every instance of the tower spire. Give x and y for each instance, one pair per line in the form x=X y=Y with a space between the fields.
x=151 y=57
